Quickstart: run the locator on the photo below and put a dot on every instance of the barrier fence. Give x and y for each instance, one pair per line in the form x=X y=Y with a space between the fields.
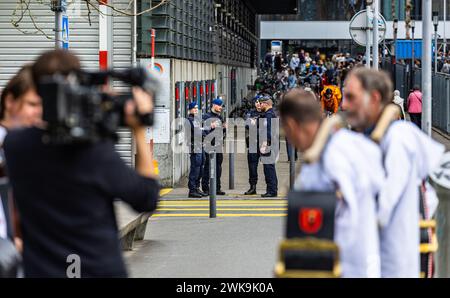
x=440 y=92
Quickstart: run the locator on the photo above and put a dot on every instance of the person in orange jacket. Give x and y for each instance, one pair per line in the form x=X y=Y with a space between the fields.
x=329 y=101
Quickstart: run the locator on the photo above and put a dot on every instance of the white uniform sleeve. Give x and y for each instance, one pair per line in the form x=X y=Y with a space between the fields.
x=397 y=164
x=341 y=172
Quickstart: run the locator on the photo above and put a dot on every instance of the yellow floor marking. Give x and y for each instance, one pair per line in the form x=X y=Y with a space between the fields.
x=220 y=215
x=165 y=191
x=222 y=202
x=225 y=206
x=223 y=209
x=225 y=200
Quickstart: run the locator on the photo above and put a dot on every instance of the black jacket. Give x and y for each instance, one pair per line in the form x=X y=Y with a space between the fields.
x=65 y=197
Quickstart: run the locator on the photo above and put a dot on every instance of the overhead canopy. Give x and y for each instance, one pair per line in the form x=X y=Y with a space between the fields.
x=273 y=6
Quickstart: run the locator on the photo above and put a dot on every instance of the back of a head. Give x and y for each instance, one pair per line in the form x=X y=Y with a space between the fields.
x=374 y=80
x=416 y=88
x=55 y=62
x=301 y=106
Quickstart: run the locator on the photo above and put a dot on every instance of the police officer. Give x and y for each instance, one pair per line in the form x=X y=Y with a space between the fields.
x=217 y=123
x=197 y=155
x=266 y=105
x=252 y=119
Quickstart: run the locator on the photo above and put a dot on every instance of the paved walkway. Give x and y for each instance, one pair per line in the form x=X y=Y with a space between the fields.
x=242 y=242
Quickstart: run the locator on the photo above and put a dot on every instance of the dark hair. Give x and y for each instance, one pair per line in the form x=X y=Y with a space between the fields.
x=53 y=62
x=18 y=86
x=416 y=88
x=374 y=80
x=300 y=105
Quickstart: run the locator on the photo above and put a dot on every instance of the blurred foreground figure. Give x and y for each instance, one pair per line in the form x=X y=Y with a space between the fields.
x=408 y=155
x=65 y=192
x=338 y=161
x=20 y=107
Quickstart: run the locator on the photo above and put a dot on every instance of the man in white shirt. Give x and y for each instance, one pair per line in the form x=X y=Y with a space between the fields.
x=343 y=165
x=408 y=155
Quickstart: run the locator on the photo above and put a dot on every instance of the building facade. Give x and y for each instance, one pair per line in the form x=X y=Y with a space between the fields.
x=324 y=25
x=203 y=49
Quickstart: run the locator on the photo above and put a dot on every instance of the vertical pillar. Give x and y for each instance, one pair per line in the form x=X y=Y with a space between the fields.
x=104 y=55
x=426 y=66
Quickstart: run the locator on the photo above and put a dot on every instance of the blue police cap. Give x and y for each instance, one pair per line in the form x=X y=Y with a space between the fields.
x=192 y=105
x=218 y=101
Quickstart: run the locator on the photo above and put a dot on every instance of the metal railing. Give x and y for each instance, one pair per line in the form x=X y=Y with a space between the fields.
x=440 y=91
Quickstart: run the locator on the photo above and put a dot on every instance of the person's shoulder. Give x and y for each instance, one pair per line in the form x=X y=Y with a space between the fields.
x=400 y=129
x=346 y=142
x=399 y=133
x=19 y=136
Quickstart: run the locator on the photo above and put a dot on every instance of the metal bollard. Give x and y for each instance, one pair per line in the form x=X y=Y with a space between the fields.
x=291 y=166
x=231 y=161
x=231 y=171
x=212 y=185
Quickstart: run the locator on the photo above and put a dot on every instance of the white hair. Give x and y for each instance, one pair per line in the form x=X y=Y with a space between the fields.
x=396 y=93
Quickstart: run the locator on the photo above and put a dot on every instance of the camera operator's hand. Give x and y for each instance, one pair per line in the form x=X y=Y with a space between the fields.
x=141 y=105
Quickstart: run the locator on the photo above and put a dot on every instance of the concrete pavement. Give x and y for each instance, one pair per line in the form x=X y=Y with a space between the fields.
x=203 y=247
x=182 y=242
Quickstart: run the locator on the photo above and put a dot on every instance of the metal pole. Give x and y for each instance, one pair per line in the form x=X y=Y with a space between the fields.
x=152 y=61
x=231 y=169
x=58 y=30
x=435 y=52
x=376 y=11
x=58 y=6
x=368 y=38
x=445 y=20
x=135 y=36
x=291 y=166
x=212 y=185
x=394 y=62
x=426 y=67
x=413 y=58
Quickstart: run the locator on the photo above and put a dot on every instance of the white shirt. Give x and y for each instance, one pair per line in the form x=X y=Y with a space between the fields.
x=409 y=157
x=3 y=228
x=353 y=163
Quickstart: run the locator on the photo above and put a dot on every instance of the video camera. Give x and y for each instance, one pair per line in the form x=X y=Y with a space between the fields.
x=77 y=110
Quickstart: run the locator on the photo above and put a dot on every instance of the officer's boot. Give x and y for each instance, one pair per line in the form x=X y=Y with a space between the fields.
x=203 y=194
x=194 y=194
x=251 y=191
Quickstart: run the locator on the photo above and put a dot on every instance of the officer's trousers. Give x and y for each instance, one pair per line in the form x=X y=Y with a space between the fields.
x=270 y=174
x=205 y=179
x=196 y=170
x=253 y=161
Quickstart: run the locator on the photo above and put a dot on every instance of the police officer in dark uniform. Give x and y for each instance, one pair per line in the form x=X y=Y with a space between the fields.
x=252 y=119
x=218 y=122
x=270 y=173
x=197 y=155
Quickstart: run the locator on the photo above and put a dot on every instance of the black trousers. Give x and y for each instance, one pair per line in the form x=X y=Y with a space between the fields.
x=270 y=174
x=253 y=160
x=196 y=170
x=416 y=118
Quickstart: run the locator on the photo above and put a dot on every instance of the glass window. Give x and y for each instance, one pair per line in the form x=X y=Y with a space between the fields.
x=325 y=10
x=416 y=13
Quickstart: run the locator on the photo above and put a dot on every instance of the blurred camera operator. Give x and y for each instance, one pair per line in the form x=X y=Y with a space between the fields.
x=65 y=193
x=20 y=106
